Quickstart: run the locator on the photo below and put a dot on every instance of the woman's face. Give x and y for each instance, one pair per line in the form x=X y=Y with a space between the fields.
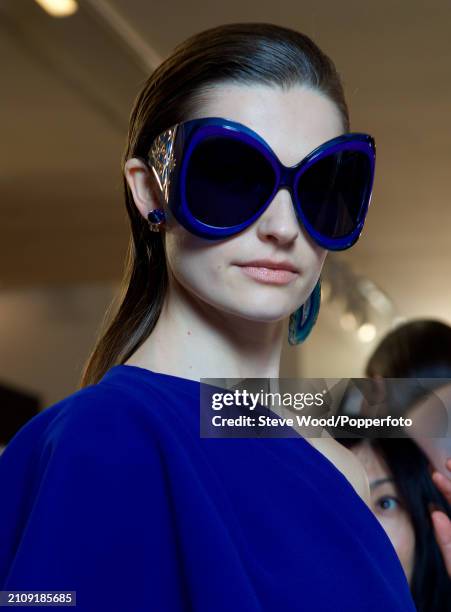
x=293 y=123
x=387 y=506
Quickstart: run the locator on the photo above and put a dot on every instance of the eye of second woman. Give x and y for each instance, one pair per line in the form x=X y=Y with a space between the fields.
x=393 y=500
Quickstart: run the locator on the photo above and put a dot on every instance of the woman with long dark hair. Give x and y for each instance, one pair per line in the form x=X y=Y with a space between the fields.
x=240 y=174
x=410 y=477
x=403 y=495
x=420 y=350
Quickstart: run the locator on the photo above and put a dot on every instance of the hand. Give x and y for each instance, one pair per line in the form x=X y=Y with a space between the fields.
x=440 y=521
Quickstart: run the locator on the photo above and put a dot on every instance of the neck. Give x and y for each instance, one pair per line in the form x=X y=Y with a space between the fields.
x=194 y=340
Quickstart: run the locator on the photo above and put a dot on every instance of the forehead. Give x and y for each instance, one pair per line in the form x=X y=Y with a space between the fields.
x=293 y=122
x=374 y=465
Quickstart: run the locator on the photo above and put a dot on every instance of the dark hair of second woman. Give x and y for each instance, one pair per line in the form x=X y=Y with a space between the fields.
x=420 y=348
x=244 y=53
x=430 y=584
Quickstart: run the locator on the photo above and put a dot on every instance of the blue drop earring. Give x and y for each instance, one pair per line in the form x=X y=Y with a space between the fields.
x=304 y=318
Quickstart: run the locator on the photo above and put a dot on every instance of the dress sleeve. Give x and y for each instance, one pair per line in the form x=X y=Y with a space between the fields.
x=89 y=511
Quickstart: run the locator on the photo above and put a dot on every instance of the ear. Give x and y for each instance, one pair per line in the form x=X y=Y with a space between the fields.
x=143 y=185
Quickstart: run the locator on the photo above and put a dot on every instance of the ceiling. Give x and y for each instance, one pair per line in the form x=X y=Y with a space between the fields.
x=68 y=86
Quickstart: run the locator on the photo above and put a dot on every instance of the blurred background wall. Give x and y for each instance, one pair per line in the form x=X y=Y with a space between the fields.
x=67 y=87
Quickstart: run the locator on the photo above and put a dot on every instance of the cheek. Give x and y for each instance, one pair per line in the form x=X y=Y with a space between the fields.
x=312 y=265
x=194 y=261
x=320 y=257
x=312 y=255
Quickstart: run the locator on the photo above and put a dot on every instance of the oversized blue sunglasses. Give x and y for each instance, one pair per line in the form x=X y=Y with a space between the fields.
x=218 y=176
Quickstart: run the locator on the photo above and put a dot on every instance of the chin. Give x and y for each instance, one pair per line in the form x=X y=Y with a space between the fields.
x=258 y=312
x=253 y=306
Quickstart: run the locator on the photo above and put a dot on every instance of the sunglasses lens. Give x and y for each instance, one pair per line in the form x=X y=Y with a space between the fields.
x=227 y=181
x=333 y=191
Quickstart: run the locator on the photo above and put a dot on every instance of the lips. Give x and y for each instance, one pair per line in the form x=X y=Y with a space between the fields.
x=270 y=264
x=270 y=272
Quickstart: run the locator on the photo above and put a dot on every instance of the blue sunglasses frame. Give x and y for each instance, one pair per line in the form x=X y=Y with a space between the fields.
x=171 y=151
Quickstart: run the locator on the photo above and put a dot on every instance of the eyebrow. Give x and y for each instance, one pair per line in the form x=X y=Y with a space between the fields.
x=380 y=481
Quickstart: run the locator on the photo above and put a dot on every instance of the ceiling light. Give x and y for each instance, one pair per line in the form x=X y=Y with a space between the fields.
x=58 y=8
x=366 y=332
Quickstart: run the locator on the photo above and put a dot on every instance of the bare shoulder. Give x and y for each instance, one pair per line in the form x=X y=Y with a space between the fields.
x=345 y=461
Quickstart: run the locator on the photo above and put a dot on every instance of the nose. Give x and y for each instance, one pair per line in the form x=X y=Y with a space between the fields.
x=279 y=221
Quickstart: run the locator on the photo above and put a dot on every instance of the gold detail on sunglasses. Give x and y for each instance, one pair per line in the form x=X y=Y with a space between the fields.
x=162 y=159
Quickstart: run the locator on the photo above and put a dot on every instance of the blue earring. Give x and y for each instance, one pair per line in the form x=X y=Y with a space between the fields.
x=304 y=318
x=156 y=219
